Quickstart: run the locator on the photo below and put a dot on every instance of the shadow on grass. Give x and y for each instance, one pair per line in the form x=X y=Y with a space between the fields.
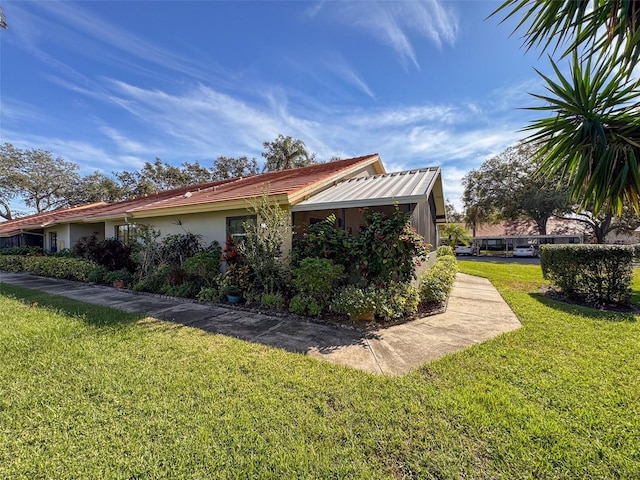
x=580 y=309
x=291 y=335
x=96 y=315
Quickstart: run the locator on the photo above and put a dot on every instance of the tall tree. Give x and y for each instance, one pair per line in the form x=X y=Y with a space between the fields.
x=97 y=187
x=507 y=186
x=592 y=138
x=232 y=167
x=285 y=153
x=42 y=182
x=453 y=215
x=159 y=176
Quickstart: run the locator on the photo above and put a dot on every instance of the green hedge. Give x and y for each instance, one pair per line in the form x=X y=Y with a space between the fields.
x=65 y=268
x=21 y=251
x=437 y=282
x=593 y=273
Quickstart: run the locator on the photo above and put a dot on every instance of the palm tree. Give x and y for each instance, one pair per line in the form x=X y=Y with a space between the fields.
x=593 y=26
x=3 y=21
x=593 y=139
x=285 y=153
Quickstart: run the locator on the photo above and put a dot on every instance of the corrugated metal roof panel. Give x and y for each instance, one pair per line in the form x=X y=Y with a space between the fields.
x=409 y=186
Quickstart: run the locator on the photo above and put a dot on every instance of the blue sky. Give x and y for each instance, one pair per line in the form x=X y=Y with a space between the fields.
x=110 y=85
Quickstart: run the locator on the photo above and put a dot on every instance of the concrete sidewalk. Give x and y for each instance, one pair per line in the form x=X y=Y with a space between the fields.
x=476 y=312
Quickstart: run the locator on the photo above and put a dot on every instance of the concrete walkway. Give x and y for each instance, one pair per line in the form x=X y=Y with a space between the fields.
x=476 y=312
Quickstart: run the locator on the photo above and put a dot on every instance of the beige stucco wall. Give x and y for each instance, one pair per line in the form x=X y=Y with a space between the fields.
x=211 y=225
x=77 y=231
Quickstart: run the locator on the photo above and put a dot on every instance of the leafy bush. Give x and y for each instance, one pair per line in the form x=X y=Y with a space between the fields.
x=210 y=294
x=65 y=268
x=154 y=282
x=387 y=250
x=593 y=273
x=436 y=283
x=118 y=276
x=272 y=300
x=110 y=253
x=98 y=275
x=205 y=266
x=176 y=249
x=305 y=305
x=445 y=250
x=184 y=290
x=396 y=300
x=355 y=301
x=12 y=263
x=30 y=251
x=316 y=278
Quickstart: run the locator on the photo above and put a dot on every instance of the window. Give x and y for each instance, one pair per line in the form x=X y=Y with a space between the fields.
x=235 y=225
x=125 y=233
x=53 y=242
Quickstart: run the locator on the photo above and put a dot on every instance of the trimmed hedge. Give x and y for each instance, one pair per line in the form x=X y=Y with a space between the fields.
x=596 y=274
x=21 y=251
x=65 y=268
x=437 y=282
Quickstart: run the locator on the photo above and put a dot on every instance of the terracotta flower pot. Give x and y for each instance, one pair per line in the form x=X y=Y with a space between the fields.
x=119 y=284
x=367 y=316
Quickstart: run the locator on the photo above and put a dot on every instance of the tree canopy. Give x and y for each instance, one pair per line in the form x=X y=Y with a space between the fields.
x=44 y=183
x=41 y=181
x=285 y=153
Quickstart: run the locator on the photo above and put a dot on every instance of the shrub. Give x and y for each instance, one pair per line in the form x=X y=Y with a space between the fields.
x=316 y=278
x=110 y=253
x=593 y=273
x=396 y=300
x=12 y=263
x=118 y=276
x=154 y=282
x=272 y=300
x=29 y=251
x=387 y=250
x=210 y=294
x=65 y=268
x=176 y=249
x=305 y=305
x=436 y=283
x=184 y=290
x=354 y=301
x=445 y=250
x=98 y=275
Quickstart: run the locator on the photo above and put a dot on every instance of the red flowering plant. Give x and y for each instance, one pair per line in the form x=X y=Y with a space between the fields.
x=390 y=249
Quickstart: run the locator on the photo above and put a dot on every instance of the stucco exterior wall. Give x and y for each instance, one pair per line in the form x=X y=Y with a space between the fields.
x=211 y=225
x=79 y=230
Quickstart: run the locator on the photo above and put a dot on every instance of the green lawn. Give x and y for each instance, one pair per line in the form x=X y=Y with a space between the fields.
x=87 y=392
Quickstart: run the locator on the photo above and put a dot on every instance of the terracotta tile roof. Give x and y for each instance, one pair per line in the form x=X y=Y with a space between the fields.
x=282 y=182
x=40 y=220
x=120 y=208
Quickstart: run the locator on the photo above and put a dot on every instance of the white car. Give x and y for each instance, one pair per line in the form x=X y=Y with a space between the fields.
x=463 y=250
x=525 y=251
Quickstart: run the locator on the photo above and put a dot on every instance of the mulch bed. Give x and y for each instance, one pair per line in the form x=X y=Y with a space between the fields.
x=558 y=296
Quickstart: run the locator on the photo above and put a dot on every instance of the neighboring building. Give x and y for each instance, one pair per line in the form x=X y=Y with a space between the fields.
x=218 y=209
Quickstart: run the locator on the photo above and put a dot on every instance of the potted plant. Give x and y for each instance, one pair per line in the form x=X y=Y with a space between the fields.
x=234 y=293
x=118 y=278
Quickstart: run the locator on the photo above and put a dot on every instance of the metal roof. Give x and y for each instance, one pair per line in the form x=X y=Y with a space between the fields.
x=410 y=186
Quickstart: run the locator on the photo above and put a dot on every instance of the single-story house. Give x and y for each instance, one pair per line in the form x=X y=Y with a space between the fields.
x=218 y=209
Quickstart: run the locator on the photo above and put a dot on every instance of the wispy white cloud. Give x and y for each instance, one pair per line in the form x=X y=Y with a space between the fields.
x=339 y=66
x=397 y=24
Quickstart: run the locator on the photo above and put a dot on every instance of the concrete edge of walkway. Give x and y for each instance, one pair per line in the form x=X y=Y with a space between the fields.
x=475 y=313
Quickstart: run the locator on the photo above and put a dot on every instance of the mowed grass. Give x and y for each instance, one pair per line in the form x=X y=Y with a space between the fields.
x=88 y=392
